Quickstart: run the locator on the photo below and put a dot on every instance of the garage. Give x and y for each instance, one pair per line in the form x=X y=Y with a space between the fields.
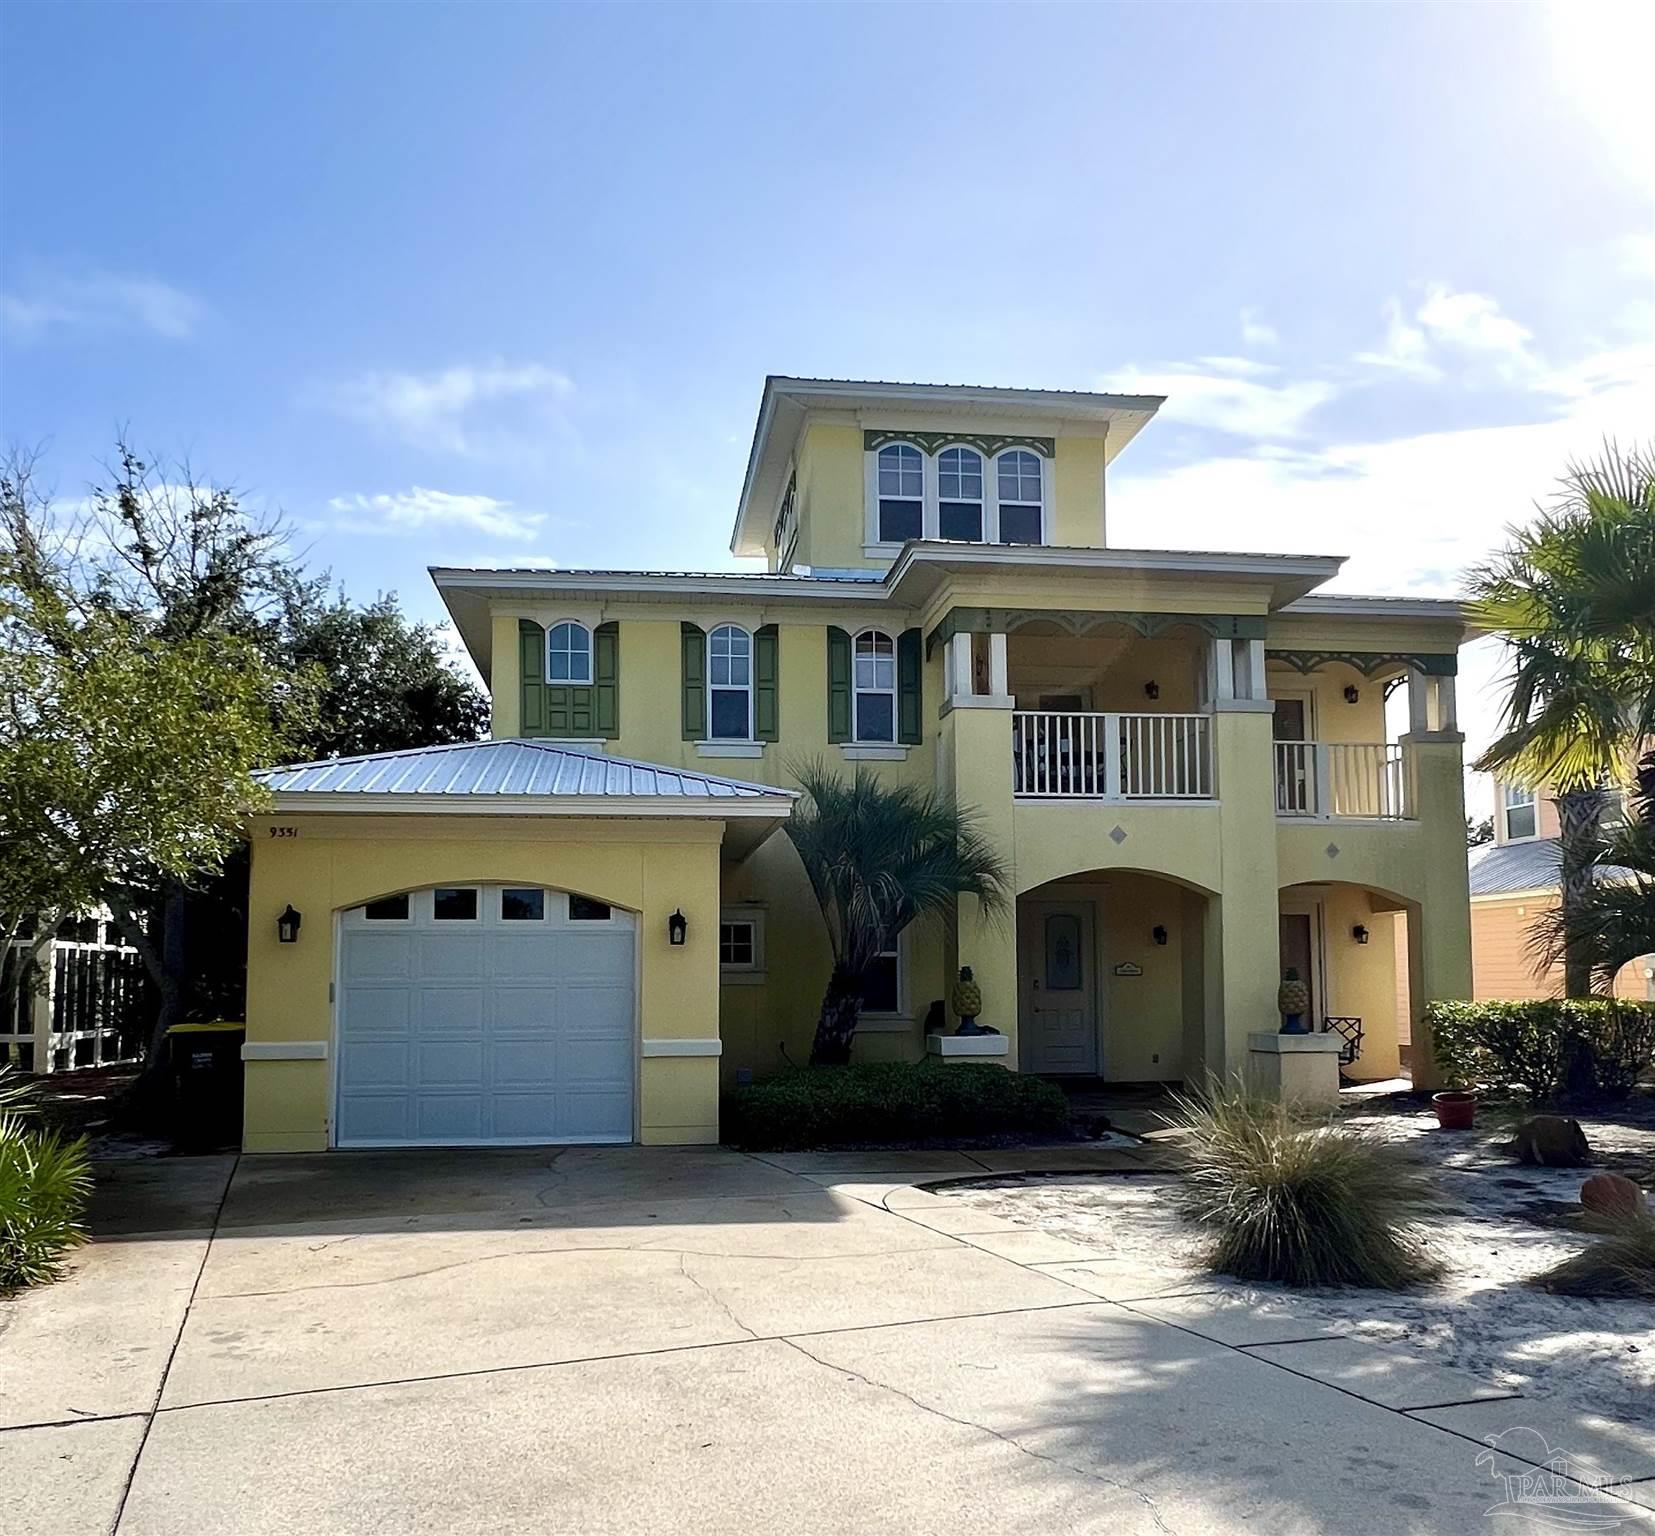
x=485 y=1014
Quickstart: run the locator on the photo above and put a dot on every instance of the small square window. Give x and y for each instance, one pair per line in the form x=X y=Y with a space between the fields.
x=875 y=717
x=880 y=990
x=522 y=906
x=962 y=520
x=455 y=904
x=735 y=944
x=582 y=909
x=393 y=909
x=900 y=521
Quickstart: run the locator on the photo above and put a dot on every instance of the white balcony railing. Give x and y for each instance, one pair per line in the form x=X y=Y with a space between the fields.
x=1369 y=779
x=1111 y=757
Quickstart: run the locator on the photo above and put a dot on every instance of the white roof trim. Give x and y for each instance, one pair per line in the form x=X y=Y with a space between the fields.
x=1379 y=607
x=775 y=805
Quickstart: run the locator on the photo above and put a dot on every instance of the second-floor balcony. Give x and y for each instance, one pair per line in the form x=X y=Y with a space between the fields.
x=1062 y=755
x=1370 y=780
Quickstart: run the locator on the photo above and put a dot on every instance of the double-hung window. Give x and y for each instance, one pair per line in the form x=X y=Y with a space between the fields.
x=568 y=653
x=960 y=495
x=875 y=684
x=901 y=493
x=1518 y=807
x=1018 y=473
x=730 y=684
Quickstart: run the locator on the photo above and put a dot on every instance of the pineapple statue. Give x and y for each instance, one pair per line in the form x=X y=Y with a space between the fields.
x=968 y=1003
x=1292 y=1002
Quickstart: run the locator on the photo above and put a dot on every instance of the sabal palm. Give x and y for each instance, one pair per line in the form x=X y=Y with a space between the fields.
x=878 y=856
x=1573 y=596
x=1613 y=923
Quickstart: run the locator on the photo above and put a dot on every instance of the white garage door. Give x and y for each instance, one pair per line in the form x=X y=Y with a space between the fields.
x=484 y=1014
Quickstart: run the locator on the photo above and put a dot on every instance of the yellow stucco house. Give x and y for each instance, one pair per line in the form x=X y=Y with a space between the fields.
x=581 y=929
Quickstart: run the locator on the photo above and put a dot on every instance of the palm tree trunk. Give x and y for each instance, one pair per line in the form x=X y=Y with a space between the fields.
x=1577 y=813
x=836 y=1025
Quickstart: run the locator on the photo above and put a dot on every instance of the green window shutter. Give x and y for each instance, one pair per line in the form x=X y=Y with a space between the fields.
x=909 y=688
x=560 y=709
x=531 y=647
x=694 y=645
x=766 y=691
x=606 y=681
x=839 y=693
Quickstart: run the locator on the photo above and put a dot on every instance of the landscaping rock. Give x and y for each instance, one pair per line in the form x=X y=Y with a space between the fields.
x=1551 y=1141
x=1613 y=1194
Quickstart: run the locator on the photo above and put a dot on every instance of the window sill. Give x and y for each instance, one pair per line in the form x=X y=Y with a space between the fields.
x=729 y=749
x=743 y=978
x=875 y=752
x=884 y=1024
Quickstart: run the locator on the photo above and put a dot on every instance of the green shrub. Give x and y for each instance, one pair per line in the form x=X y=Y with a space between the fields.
x=891 y=1101
x=1590 y=1045
x=1296 y=1201
x=1622 y=1264
x=44 y=1184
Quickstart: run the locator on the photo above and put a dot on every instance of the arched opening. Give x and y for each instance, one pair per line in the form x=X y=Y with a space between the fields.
x=1349 y=944
x=1112 y=977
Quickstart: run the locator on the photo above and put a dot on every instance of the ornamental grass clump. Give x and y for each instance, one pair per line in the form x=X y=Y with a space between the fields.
x=1621 y=1265
x=44 y=1185
x=1298 y=1201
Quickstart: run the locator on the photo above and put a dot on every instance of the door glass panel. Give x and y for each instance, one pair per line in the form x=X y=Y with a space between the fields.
x=1063 y=963
x=522 y=906
x=455 y=904
x=1288 y=720
x=391 y=909
x=582 y=909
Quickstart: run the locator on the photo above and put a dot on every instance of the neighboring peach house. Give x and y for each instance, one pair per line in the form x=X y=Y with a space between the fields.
x=1514 y=882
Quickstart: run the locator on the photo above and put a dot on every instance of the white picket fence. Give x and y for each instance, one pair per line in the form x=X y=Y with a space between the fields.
x=93 y=1010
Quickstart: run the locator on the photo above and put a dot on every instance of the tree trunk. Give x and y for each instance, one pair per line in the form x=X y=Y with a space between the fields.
x=836 y=1026
x=1577 y=813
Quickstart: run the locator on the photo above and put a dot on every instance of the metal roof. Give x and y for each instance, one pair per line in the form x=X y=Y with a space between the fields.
x=498 y=769
x=1504 y=870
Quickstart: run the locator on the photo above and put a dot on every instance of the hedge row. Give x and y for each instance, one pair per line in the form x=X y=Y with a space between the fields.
x=891 y=1101
x=1573 y=1047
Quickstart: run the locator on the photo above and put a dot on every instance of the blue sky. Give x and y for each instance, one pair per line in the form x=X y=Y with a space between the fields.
x=499 y=283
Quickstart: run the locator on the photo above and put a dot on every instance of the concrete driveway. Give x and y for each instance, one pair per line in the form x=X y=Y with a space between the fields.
x=620 y=1340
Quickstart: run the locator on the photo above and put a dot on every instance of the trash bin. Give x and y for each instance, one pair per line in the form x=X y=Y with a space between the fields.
x=207 y=1084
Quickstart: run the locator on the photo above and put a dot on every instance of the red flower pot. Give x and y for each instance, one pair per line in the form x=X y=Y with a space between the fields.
x=1456 y=1109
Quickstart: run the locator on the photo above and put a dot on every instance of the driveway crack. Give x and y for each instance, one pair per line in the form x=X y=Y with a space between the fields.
x=1120 y=1485
x=713 y=1296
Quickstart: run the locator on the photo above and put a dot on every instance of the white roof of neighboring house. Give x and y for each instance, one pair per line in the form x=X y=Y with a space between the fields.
x=1531 y=865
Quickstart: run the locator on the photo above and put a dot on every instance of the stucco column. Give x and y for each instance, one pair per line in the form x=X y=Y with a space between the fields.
x=1242 y=946
x=1439 y=933
x=977 y=753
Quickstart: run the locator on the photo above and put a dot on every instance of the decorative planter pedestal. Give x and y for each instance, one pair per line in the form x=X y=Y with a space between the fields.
x=967 y=1047
x=1298 y=1069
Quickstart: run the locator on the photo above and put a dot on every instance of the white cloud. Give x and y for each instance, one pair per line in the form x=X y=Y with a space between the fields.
x=1256 y=332
x=1405 y=349
x=418 y=508
x=444 y=408
x=1467 y=330
x=1228 y=395
x=99 y=301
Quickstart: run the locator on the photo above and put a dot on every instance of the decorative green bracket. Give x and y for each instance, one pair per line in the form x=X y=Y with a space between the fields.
x=986 y=443
x=1077 y=622
x=1370 y=663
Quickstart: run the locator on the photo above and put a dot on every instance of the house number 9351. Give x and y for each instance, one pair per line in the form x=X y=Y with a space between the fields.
x=284 y=831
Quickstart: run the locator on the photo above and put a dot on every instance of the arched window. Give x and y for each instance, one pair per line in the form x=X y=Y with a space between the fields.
x=875 y=686
x=730 y=684
x=568 y=653
x=901 y=493
x=1020 y=498
x=960 y=495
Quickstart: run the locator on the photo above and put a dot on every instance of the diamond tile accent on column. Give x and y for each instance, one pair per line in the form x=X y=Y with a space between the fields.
x=1118 y=835
x=1333 y=850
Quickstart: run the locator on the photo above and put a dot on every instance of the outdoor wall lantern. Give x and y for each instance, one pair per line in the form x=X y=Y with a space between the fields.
x=677 y=928
x=1351 y=693
x=287 y=925
x=1152 y=689
x=1158 y=933
x=1360 y=934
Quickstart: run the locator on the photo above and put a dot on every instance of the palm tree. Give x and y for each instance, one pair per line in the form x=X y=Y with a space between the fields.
x=1573 y=596
x=879 y=856
x=1614 y=923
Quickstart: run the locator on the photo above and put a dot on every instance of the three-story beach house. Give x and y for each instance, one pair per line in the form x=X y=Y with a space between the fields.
x=581 y=928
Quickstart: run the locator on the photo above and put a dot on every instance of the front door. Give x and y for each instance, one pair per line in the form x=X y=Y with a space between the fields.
x=1059 y=1013
x=1298 y=952
x=1295 y=770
